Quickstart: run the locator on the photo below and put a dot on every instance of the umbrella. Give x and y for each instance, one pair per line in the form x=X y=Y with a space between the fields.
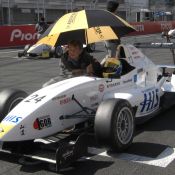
x=88 y=26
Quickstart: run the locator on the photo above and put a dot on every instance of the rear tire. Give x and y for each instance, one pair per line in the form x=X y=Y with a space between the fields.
x=20 y=54
x=114 y=124
x=9 y=98
x=58 y=52
x=91 y=47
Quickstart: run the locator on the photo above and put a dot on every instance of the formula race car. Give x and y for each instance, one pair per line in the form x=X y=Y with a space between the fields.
x=41 y=51
x=47 y=51
x=56 y=119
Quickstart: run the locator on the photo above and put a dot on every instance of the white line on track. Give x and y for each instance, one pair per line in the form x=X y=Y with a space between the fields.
x=12 y=51
x=162 y=160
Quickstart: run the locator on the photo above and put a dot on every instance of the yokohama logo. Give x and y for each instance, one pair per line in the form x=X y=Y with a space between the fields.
x=18 y=34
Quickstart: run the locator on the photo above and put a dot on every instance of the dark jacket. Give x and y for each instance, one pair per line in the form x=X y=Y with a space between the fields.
x=84 y=60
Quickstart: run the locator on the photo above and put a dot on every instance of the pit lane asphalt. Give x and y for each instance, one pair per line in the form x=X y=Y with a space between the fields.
x=152 y=149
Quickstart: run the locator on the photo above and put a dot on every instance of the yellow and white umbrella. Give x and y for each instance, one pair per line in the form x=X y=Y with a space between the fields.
x=88 y=26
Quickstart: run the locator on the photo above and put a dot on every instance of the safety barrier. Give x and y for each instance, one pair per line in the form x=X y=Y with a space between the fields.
x=144 y=28
x=14 y=36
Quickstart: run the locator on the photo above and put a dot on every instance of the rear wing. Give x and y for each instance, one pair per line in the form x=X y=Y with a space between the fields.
x=164 y=67
x=155 y=45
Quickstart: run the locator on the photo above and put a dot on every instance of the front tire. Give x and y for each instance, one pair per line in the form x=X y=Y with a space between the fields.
x=114 y=124
x=9 y=98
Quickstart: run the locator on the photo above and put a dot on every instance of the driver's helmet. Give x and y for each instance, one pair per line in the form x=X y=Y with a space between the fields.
x=112 y=68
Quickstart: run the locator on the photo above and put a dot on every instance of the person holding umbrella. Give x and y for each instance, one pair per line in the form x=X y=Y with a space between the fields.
x=111 y=45
x=79 y=62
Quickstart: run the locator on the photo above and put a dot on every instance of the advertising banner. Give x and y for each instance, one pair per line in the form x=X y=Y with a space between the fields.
x=144 y=28
x=17 y=35
x=14 y=36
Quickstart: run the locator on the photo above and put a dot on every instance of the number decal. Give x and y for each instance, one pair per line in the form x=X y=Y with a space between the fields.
x=150 y=102
x=35 y=98
x=42 y=122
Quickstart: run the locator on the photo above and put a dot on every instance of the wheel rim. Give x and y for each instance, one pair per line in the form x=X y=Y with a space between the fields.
x=124 y=125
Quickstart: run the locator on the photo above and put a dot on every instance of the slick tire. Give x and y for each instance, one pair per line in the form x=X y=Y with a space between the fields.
x=58 y=52
x=20 y=54
x=9 y=98
x=91 y=47
x=114 y=124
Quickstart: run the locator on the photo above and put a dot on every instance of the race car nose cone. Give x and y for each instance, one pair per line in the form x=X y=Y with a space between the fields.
x=1 y=130
x=4 y=129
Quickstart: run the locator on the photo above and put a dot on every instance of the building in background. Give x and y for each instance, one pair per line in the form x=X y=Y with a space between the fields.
x=15 y=12
x=162 y=9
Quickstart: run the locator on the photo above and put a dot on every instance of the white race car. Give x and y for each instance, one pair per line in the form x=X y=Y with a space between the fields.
x=41 y=51
x=55 y=120
x=46 y=51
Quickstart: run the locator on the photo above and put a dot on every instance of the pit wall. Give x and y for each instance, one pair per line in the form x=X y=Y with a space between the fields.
x=15 y=36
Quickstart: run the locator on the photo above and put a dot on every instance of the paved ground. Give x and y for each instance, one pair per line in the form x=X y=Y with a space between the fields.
x=153 y=148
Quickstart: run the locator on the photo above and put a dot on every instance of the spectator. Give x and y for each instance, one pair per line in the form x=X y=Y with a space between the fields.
x=41 y=26
x=111 y=45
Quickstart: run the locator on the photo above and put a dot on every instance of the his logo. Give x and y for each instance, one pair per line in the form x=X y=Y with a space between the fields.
x=150 y=102
x=13 y=119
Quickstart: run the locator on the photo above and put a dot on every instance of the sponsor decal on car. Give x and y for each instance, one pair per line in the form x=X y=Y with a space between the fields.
x=113 y=84
x=101 y=87
x=59 y=97
x=22 y=132
x=127 y=81
x=150 y=101
x=35 y=98
x=42 y=122
x=135 y=78
x=65 y=100
x=13 y=119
